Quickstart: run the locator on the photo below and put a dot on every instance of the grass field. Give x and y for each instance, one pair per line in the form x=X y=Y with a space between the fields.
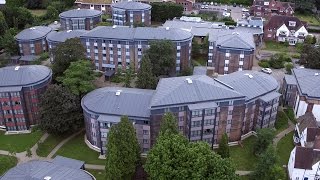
x=46 y=147
x=98 y=174
x=309 y=18
x=281 y=122
x=6 y=163
x=19 y=142
x=38 y=12
x=244 y=157
x=76 y=148
x=284 y=148
x=275 y=46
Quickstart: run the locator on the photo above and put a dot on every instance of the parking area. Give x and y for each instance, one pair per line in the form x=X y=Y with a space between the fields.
x=278 y=74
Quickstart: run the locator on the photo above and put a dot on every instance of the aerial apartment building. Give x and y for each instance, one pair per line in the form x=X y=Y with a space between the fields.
x=20 y=90
x=205 y=108
x=84 y=19
x=121 y=47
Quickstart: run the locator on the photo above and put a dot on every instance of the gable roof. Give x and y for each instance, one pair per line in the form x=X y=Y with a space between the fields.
x=177 y=90
x=308 y=81
x=130 y=102
x=277 y=21
x=257 y=86
x=306 y=121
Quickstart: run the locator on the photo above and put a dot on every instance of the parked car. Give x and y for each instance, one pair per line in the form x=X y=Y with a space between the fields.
x=202 y=6
x=211 y=3
x=245 y=10
x=206 y=6
x=226 y=14
x=266 y=70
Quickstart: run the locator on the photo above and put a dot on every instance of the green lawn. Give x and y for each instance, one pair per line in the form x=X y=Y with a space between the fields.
x=244 y=157
x=76 y=148
x=19 y=142
x=290 y=114
x=6 y=163
x=275 y=46
x=98 y=174
x=284 y=148
x=244 y=177
x=200 y=61
x=46 y=147
x=309 y=18
x=38 y=12
x=281 y=122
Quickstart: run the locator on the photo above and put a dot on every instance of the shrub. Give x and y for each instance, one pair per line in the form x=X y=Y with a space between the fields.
x=281 y=121
x=295 y=56
x=277 y=61
x=288 y=67
x=264 y=63
x=289 y=112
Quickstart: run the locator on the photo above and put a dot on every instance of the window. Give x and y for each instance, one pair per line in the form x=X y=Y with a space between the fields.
x=145 y=132
x=181 y=108
x=207 y=131
x=139 y=49
x=181 y=118
x=229 y=121
x=195 y=123
x=145 y=141
x=196 y=113
x=195 y=133
x=209 y=122
x=209 y=112
x=230 y=112
x=292 y=23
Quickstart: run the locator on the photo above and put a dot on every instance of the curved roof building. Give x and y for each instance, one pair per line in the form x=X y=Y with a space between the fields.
x=205 y=107
x=131 y=13
x=59 y=169
x=62 y=36
x=80 y=19
x=32 y=41
x=20 y=90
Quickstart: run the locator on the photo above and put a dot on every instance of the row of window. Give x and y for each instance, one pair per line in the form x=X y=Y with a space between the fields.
x=12 y=94
x=205 y=132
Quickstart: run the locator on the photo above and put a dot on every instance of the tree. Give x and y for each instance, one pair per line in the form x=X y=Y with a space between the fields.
x=223 y=149
x=18 y=17
x=264 y=139
x=123 y=151
x=52 y=13
x=309 y=39
x=78 y=77
x=174 y=157
x=146 y=79
x=34 y=4
x=8 y=42
x=267 y=168
x=160 y=12
x=169 y=124
x=3 y=24
x=15 y=3
x=205 y=45
x=60 y=111
x=29 y=153
x=162 y=57
x=195 y=51
x=69 y=51
x=310 y=56
x=277 y=61
x=128 y=77
x=288 y=67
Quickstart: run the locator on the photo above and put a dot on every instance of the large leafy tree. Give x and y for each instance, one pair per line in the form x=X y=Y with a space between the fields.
x=3 y=24
x=60 y=111
x=18 y=17
x=146 y=79
x=267 y=168
x=223 y=149
x=122 y=151
x=264 y=139
x=169 y=124
x=78 y=77
x=310 y=56
x=161 y=12
x=174 y=157
x=69 y=51
x=162 y=57
x=8 y=42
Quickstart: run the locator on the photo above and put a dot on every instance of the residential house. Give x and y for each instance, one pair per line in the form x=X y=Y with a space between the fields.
x=268 y=8
x=285 y=29
x=205 y=108
x=100 y=5
x=306 y=91
x=187 y=4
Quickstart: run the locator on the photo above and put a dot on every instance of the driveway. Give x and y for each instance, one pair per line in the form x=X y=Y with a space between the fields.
x=236 y=12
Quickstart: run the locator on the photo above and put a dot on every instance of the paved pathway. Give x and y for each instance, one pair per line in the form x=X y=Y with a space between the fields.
x=94 y=166
x=54 y=150
x=283 y=133
x=243 y=173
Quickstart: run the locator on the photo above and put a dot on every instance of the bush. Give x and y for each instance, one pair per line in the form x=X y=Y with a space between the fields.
x=281 y=121
x=277 y=61
x=289 y=112
x=44 y=56
x=116 y=79
x=296 y=56
x=288 y=67
x=264 y=63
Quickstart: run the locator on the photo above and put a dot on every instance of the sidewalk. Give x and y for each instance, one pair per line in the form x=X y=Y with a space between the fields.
x=283 y=133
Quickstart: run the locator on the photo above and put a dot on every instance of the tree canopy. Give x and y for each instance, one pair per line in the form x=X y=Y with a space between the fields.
x=123 y=151
x=78 y=77
x=146 y=79
x=174 y=157
x=169 y=124
x=223 y=149
x=264 y=139
x=310 y=56
x=17 y=17
x=3 y=24
x=8 y=42
x=60 y=111
x=69 y=51
x=162 y=11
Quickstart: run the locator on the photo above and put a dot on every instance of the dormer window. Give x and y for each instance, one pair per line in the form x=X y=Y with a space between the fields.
x=292 y=23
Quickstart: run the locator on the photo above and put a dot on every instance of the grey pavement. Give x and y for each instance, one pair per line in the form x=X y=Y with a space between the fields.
x=243 y=173
x=55 y=149
x=94 y=166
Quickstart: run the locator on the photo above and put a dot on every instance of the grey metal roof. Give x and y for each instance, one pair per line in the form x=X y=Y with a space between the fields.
x=29 y=58
x=62 y=36
x=150 y=33
x=177 y=90
x=80 y=13
x=259 y=85
x=68 y=162
x=202 y=105
x=231 y=38
x=130 y=102
x=108 y=118
x=2 y=1
x=37 y=170
x=290 y=79
x=108 y=32
x=140 y=33
x=251 y=21
x=24 y=75
x=33 y=33
x=270 y=96
x=131 y=5
x=308 y=81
